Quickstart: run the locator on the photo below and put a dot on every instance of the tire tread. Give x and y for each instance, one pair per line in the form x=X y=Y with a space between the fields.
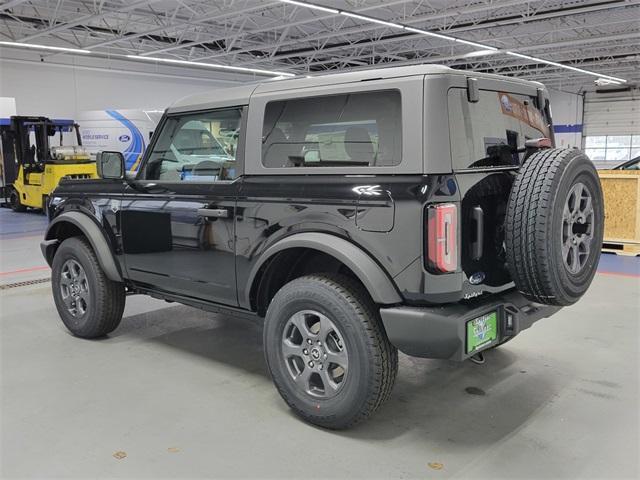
x=384 y=358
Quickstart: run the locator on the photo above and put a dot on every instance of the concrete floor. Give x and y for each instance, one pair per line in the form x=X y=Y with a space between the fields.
x=186 y=394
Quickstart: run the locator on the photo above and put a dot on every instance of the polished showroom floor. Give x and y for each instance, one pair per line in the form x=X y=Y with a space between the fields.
x=177 y=392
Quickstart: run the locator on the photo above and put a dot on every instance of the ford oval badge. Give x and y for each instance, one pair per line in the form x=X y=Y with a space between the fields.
x=124 y=138
x=476 y=278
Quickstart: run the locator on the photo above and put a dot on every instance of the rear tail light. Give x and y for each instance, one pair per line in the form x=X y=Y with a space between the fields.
x=442 y=238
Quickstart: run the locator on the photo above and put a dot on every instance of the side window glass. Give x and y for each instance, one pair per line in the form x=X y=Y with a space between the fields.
x=489 y=132
x=357 y=130
x=197 y=147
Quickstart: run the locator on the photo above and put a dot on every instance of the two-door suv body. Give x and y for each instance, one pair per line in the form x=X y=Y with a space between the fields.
x=415 y=208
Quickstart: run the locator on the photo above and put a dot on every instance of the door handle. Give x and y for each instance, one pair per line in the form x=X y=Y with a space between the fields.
x=213 y=212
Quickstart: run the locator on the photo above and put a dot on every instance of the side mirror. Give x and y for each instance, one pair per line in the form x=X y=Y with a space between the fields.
x=110 y=165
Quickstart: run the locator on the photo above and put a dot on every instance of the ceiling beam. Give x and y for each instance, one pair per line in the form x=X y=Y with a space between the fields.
x=85 y=20
x=10 y=4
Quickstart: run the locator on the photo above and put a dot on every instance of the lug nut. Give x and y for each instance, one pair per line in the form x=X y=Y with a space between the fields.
x=311 y=364
x=319 y=343
x=309 y=341
x=305 y=351
x=320 y=366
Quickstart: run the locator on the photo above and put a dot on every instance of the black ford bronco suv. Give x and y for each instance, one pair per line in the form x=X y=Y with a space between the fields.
x=414 y=208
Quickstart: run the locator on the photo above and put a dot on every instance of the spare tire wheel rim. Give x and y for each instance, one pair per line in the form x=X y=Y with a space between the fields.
x=577 y=228
x=74 y=288
x=315 y=353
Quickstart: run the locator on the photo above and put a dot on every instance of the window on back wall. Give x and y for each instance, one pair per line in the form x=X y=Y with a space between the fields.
x=612 y=148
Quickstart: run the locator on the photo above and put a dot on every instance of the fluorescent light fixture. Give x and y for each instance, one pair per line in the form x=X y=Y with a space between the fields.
x=371 y=19
x=43 y=47
x=483 y=49
x=604 y=81
x=211 y=65
x=479 y=53
x=568 y=67
x=427 y=32
x=478 y=45
x=310 y=5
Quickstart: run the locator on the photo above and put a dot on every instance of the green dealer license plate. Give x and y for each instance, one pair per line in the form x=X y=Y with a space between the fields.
x=482 y=331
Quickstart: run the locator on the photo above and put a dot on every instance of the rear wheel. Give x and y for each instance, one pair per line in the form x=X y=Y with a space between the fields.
x=327 y=352
x=89 y=304
x=14 y=201
x=554 y=226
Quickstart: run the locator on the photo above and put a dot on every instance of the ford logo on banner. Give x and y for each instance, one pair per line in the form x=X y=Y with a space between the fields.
x=124 y=138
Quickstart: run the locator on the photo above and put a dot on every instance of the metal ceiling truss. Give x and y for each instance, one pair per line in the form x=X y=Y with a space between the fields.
x=282 y=36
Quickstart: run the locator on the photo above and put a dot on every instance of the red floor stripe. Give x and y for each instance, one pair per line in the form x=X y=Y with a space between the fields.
x=25 y=270
x=620 y=274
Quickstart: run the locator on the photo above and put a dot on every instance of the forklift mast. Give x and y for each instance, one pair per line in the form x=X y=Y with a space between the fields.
x=21 y=127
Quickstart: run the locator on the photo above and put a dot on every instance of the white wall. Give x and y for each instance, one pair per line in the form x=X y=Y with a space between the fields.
x=64 y=86
x=566 y=109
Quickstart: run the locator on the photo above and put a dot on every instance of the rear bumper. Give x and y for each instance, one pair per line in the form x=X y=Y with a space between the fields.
x=440 y=332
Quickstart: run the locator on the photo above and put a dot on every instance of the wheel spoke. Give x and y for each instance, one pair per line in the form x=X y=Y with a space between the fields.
x=299 y=320
x=326 y=327
x=64 y=280
x=68 y=301
x=291 y=350
x=329 y=385
x=83 y=294
x=566 y=212
x=587 y=210
x=302 y=379
x=81 y=305
x=337 y=358
x=575 y=260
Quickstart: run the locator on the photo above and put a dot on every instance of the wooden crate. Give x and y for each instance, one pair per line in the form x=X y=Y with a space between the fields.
x=620 y=248
x=621 y=190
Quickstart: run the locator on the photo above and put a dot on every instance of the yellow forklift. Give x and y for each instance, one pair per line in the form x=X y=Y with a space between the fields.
x=31 y=167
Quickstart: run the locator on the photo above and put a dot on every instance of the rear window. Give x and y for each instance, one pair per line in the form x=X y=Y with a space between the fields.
x=354 y=130
x=487 y=133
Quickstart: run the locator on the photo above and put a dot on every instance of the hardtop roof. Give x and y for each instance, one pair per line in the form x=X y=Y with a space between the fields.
x=230 y=96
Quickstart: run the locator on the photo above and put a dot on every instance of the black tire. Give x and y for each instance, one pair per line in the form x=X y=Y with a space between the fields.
x=92 y=307
x=553 y=251
x=14 y=201
x=45 y=199
x=372 y=360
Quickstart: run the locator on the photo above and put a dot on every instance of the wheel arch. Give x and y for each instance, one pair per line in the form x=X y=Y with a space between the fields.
x=361 y=265
x=70 y=224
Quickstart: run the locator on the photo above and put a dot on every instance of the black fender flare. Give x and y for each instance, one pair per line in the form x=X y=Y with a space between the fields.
x=372 y=276
x=95 y=236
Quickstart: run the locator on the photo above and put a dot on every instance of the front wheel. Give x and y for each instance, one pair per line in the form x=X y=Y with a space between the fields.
x=15 y=203
x=89 y=304
x=327 y=351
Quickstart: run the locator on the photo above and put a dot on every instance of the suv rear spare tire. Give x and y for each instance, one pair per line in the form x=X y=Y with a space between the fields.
x=554 y=226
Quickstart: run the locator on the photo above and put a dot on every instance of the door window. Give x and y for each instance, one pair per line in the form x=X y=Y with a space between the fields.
x=196 y=147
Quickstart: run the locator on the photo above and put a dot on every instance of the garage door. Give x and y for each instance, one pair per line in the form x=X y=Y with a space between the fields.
x=612 y=127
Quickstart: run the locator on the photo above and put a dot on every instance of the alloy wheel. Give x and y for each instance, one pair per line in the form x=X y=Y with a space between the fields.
x=315 y=353
x=577 y=228
x=74 y=288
